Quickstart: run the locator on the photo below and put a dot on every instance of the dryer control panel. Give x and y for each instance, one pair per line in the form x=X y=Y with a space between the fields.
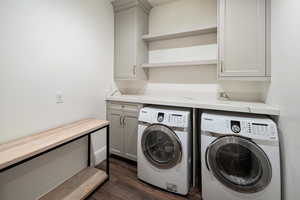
x=255 y=127
x=172 y=118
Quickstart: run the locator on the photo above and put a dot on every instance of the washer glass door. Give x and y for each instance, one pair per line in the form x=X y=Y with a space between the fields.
x=239 y=164
x=161 y=146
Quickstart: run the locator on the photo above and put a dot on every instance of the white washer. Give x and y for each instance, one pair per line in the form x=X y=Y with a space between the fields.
x=164 y=155
x=240 y=157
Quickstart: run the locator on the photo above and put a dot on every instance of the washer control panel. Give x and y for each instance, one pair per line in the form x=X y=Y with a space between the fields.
x=174 y=118
x=256 y=127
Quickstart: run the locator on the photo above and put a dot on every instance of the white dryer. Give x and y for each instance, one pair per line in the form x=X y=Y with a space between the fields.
x=240 y=157
x=164 y=148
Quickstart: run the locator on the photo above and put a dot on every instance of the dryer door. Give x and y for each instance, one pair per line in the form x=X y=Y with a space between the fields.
x=161 y=146
x=239 y=164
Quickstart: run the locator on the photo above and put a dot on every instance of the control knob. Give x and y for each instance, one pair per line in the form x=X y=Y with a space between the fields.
x=236 y=128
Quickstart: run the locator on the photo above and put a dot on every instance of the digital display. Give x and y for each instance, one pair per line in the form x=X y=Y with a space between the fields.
x=256 y=124
x=176 y=115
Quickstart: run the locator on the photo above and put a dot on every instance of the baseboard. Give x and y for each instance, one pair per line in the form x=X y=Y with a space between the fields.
x=100 y=155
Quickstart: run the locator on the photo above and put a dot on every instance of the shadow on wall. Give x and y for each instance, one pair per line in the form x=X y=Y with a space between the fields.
x=199 y=81
x=205 y=39
x=172 y=80
x=203 y=79
x=184 y=75
x=245 y=90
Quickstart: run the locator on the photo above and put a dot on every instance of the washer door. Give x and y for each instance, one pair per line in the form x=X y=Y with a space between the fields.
x=161 y=146
x=239 y=164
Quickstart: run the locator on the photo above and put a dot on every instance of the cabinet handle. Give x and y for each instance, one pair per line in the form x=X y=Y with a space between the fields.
x=124 y=121
x=134 y=70
x=222 y=69
x=121 y=120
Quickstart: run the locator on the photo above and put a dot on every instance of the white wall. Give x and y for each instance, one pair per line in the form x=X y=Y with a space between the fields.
x=284 y=90
x=49 y=47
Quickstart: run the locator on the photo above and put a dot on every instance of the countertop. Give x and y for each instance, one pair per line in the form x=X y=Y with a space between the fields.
x=198 y=102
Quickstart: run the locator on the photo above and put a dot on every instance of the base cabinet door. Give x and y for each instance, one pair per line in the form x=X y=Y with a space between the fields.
x=124 y=127
x=130 y=133
x=116 y=135
x=242 y=38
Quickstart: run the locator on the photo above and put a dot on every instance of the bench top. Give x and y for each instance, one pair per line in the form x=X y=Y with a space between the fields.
x=27 y=147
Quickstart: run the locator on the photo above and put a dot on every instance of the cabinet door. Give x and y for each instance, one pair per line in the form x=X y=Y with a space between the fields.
x=130 y=133
x=125 y=44
x=116 y=133
x=242 y=38
x=141 y=46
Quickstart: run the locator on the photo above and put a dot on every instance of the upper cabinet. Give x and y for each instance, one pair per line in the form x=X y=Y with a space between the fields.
x=131 y=23
x=242 y=40
x=241 y=52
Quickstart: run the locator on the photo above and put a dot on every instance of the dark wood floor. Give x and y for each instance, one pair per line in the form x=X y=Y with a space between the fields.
x=124 y=185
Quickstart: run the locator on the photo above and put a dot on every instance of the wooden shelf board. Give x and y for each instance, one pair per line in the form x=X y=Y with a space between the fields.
x=167 y=36
x=27 y=147
x=79 y=186
x=180 y=64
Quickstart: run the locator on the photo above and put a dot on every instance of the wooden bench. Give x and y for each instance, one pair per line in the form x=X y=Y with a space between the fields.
x=81 y=185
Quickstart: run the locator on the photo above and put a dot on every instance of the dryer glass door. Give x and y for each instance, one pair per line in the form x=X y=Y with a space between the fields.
x=161 y=146
x=239 y=164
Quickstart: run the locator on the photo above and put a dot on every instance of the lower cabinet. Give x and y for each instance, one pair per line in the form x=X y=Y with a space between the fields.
x=124 y=125
x=116 y=133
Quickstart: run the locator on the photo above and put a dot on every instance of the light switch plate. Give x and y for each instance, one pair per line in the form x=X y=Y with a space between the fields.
x=59 y=98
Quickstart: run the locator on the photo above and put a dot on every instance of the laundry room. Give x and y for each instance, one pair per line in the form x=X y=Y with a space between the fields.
x=149 y=99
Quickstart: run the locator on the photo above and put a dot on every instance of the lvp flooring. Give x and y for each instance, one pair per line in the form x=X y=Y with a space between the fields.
x=124 y=185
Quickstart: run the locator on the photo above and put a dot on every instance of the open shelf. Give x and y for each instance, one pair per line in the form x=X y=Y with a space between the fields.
x=79 y=186
x=194 y=32
x=180 y=64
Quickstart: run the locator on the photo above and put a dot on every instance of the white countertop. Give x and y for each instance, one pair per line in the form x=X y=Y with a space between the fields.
x=198 y=102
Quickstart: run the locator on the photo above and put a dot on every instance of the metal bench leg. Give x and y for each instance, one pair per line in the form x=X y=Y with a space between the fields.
x=107 y=150
x=89 y=150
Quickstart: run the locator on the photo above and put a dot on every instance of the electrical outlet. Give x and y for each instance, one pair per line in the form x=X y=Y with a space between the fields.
x=223 y=96
x=59 y=98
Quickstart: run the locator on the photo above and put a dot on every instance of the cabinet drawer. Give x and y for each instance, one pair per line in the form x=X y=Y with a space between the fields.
x=126 y=107
x=131 y=108
x=115 y=106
